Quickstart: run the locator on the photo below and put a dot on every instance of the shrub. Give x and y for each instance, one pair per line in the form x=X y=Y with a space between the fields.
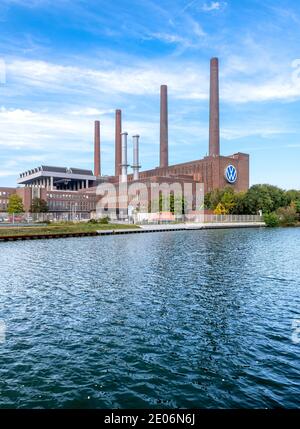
x=271 y=220
x=220 y=210
x=93 y=221
x=287 y=216
x=104 y=220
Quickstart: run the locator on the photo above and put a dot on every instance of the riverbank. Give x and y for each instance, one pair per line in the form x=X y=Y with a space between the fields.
x=60 y=230
x=88 y=229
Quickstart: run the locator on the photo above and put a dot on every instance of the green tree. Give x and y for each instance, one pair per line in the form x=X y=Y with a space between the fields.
x=214 y=198
x=271 y=220
x=239 y=206
x=38 y=205
x=297 y=206
x=292 y=195
x=267 y=198
x=15 y=204
x=228 y=201
x=172 y=202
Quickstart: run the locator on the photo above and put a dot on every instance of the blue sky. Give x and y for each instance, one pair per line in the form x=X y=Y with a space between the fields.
x=64 y=64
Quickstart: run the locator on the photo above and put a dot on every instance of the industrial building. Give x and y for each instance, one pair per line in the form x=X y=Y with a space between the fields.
x=69 y=189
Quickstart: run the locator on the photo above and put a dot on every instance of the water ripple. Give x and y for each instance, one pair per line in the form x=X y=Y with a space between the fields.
x=184 y=319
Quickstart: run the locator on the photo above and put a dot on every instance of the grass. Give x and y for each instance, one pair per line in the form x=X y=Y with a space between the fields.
x=60 y=228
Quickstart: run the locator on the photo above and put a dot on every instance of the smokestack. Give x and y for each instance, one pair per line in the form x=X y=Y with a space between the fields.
x=136 y=165
x=118 y=143
x=124 y=157
x=97 y=165
x=214 y=115
x=164 y=157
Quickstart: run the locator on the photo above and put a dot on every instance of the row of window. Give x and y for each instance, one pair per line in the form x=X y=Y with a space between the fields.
x=4 y=193
x=70 y=196
x=57 y=205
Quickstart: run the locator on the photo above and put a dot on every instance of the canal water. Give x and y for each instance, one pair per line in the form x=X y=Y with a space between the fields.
x=182 y=319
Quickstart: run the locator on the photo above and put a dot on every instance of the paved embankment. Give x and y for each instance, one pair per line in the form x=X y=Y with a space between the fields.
x=183 y=227
x=139 y=230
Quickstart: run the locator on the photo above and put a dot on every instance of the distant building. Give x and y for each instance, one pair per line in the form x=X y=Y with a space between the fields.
x=73 y=190
x=59 y=178
x=4 y=197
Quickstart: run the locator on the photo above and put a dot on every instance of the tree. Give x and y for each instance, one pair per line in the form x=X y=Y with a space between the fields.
x=287 y=216
x=267 y=198
x=271 y=220
x=239 y=206
x=38 y=205
x=214 y=198
x=292 y=195
x=228 y=201
x=172 y=203
x=15 y=204
x=296 y=204
x=220 y=210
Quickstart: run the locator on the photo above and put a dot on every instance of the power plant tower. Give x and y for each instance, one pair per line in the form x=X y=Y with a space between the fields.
x=118 y=143
x=124 y=164
x=214 y=114
x=97 y=160
x=136 y=166
x=164 y=154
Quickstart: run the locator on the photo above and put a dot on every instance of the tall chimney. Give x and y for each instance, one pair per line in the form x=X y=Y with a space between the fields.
x=136 y=165
x=164 y=156
x=214 y=115
x=118 y=143
x=97 y=165
x=124 y=164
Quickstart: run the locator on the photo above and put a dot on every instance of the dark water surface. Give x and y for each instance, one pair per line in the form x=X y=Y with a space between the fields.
x=181 y=319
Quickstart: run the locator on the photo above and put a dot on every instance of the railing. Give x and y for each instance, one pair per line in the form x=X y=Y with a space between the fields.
x=152 y=218
x=32 y=218
x=230 y=218
x=143 y=218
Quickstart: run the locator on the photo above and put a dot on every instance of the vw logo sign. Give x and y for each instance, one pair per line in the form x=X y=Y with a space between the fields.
x=231 y=174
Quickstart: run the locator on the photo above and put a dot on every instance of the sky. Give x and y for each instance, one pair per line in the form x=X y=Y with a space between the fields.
x=66 y=63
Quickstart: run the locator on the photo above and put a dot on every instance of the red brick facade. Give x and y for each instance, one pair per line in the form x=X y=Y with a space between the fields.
x=209 y=170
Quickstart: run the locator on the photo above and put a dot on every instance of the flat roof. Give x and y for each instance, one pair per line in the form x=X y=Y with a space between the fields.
x=54 y=169
x=55 y=172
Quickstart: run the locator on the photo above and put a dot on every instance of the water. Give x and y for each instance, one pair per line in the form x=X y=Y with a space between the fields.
x=181 y=319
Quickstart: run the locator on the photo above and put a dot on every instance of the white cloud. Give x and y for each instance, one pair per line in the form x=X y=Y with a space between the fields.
x=279 y=88
x=170 y=38
x=49 y=132
x=188 y=81
x=140 y=79
x=91 y=111
x=214 y=5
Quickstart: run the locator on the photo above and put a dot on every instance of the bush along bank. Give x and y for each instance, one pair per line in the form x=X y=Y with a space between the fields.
x=280 y=207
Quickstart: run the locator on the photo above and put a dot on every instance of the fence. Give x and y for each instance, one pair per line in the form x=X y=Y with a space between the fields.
x=207 y=218
x=138 y=218
x=161 y=218
x=31 y=218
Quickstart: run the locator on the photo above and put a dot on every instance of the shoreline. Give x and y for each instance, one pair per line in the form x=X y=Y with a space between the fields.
x=128 y=229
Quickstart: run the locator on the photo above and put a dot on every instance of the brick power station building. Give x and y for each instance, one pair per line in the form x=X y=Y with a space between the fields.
x=69 y=190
